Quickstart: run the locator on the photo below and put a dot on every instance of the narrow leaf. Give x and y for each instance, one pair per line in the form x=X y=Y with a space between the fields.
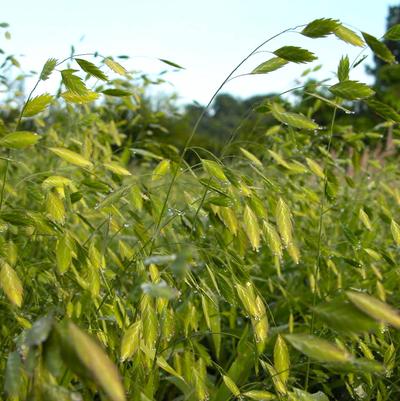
x=115 y=66
x=259 y=395
x=251 y=227
x=11 y=284
x=73 y=83
x=270 y=65
x=292 y=119
x=91 y=69
x=379 y=48
x=295 y=54
x=378 y=310
x=395 y=228
x=214 y=169
x=71 y=157
x=251 y=157
x=130 y=342
x=116 y=92
x=87 y=97
x=318 y=349
x=348 y=36
x=393 y=33
x=48 y=68
x=384 y=110
x=19 y=140
x=351 y=90
x=63 y=254
x=96 y=361
x=231 y=385
x=37 y=105
x=284 y=221
x=281 y=359
x=343 y=69
x=117 y=169
x=320 y=28
x=170 y=63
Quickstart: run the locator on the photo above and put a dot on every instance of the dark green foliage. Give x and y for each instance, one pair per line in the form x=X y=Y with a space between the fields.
x=320 y=28
x=295 y=54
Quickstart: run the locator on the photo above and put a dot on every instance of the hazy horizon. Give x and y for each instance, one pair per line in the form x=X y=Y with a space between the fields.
x=207 y=38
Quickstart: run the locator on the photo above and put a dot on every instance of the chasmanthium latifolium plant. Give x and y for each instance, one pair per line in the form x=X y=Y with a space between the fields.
x=128 y=273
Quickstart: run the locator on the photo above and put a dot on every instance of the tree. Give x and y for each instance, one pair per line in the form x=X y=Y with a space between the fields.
x=387 y=76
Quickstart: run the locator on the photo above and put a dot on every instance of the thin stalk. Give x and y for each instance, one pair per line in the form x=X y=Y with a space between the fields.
x=320 y=227
x=200 y=118
x=3 y=184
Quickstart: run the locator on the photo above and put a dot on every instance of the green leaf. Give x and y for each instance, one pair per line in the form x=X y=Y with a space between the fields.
x=295 y=54
x=271 y=65
x=351 y=90
x=161 y=169
x=343 y=316
x=383 y=110
x=281 y=359
x=259 y=395
x=96 y=361
x=87 y=97
x=292 y=119
x=63 y=254
x=11 y=284
x=343 y=69
x=214 y=169
x=273 y=239
x=130 y=342
x=171 y=63
x=395 y=229
x=233 y=388
x=251 y=227
x=56 y=181
x=393 y=33
x=315 y=168
x=251 y=157
x=19 y=140
x=13 y=375
x=284 y=221
x=318 y=349
x=379 y=48
x=116 y=67
x=116 y=92
x=348 y=36
x=91 y=69
x=378 y=310
x=117 y=169
x=364 y=218
x=37 y=105
x=72 y=157
x=48 y=68
x=72 y=82
x=55 y=207
x=320 y=28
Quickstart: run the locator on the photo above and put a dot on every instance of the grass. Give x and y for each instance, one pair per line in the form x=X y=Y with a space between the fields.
x=265 y=273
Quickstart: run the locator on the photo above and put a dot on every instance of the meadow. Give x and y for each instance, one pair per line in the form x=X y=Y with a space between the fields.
x=133 y=268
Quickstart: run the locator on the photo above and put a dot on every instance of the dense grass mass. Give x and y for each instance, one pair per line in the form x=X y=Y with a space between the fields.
x=134 y=268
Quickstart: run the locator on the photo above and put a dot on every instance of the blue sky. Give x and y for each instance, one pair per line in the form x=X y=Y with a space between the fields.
x=207 y=37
